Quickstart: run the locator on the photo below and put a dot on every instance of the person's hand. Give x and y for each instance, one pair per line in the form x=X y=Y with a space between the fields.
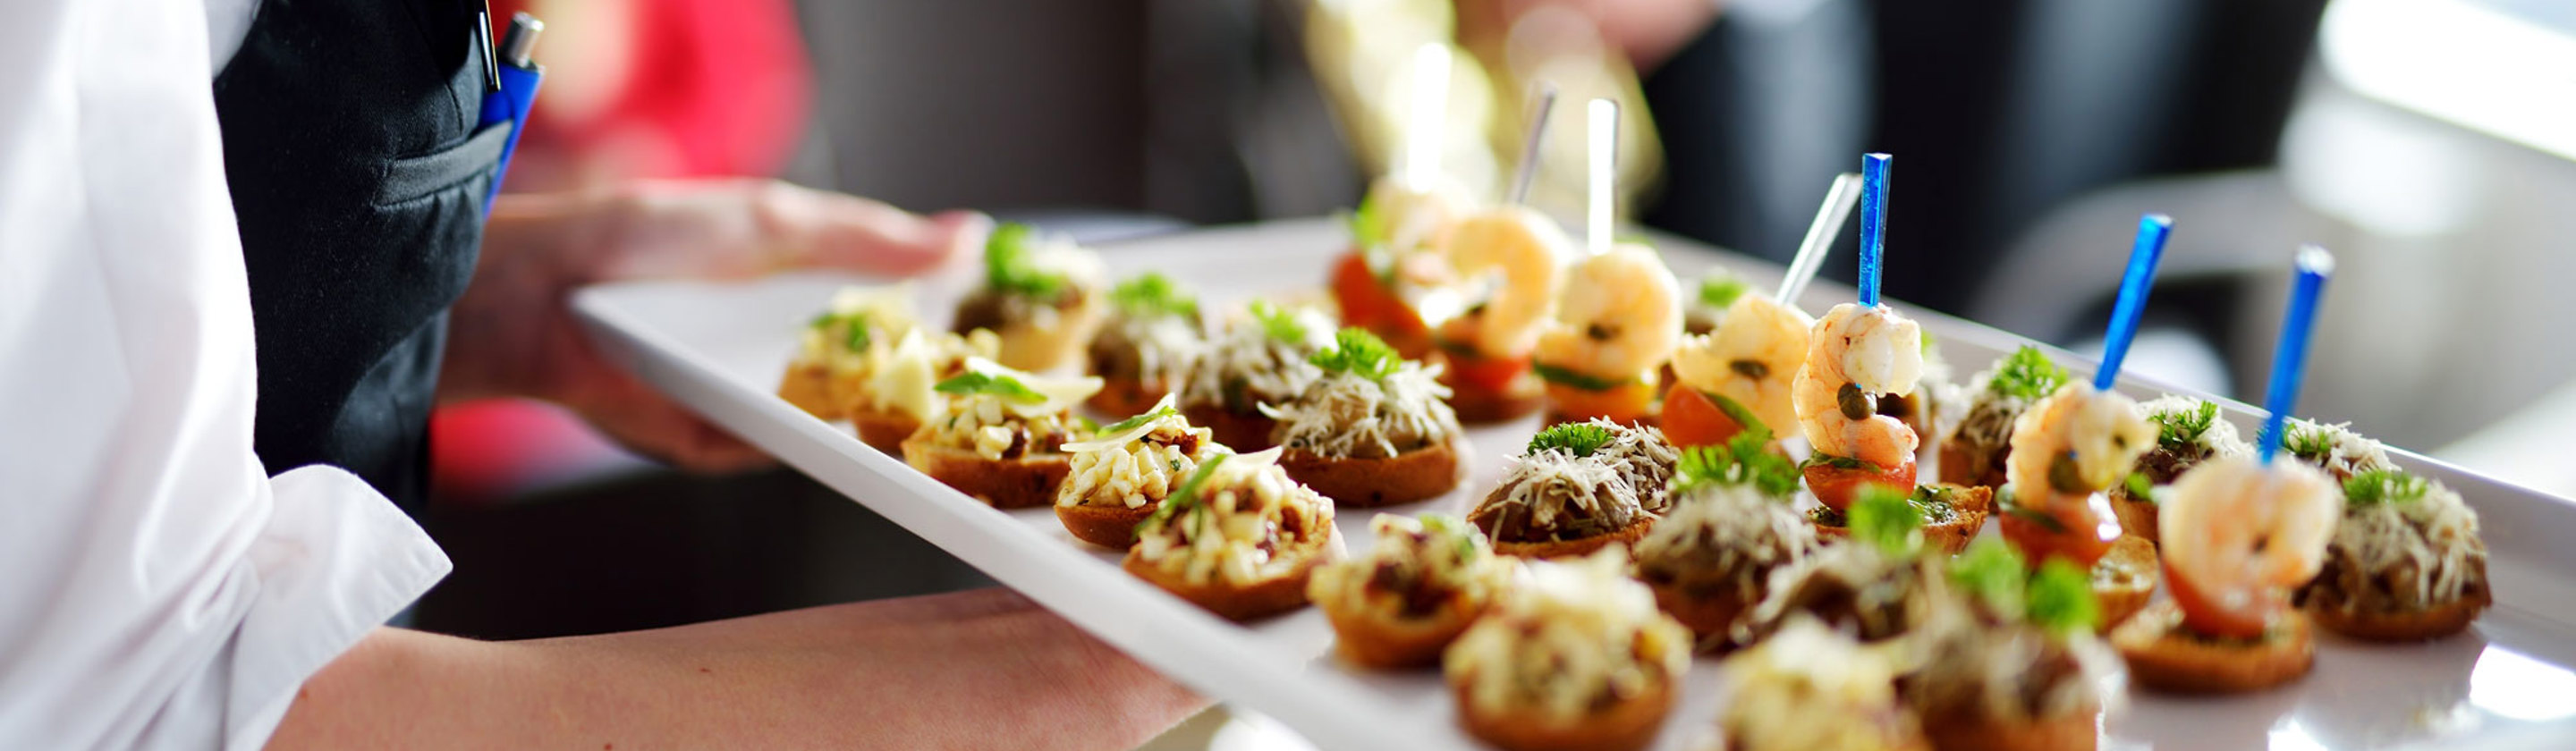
x=513 y=334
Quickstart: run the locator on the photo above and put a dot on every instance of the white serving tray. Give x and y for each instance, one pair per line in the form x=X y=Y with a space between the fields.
x=720 y=348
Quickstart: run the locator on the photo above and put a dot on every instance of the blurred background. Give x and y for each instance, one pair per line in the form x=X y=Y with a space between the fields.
x=2430 y=143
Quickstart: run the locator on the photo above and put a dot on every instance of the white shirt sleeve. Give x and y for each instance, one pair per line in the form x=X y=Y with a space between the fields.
x=157 y=589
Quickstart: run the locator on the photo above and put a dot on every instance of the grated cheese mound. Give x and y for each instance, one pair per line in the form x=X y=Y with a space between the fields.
x=1344 y=415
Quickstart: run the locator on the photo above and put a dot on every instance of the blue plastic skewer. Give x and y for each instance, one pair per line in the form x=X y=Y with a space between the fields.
x=2141 y=277
x=2290 y=359
x=1873 y=222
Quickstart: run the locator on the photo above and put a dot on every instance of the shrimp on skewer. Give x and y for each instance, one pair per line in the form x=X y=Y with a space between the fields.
x=1393 y=282
x=1743 y=369
x=2238 y=535
x=1855 y=355
x=2066 y=450
x=1487 y=348
x=1617 y=320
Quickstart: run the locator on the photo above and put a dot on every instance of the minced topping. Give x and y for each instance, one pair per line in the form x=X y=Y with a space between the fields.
x=2013 y=672
x=1809 y=688
x=1133 y=465
x=903 y=378
x=2406 y=544
x=1554 y=495
x=2188 y=432
x=1573 y=638
x=1260 y=358
x=1722 y=538
x=857 y=319
x=1416 y=566
x=1003 y=414
x=1857 y=586
x=1030 y=280
x=1349 y=415
x=2001 y=394
x=1241 y=520
x=2333 y=448
x=1152 y=350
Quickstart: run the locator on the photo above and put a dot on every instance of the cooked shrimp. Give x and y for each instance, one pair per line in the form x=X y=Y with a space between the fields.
x=1870 y=353
x=1751 y=358
x=2100 y=430
x=2238 y=535
x=1527 y=250
x=1619 y=317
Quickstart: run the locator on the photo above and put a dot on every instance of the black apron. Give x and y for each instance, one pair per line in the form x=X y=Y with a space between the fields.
x=357 y=179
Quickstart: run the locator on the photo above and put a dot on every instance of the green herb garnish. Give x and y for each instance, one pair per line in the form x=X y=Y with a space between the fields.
x=2308 y=441
x=2377 y=486
x=855 y=336
x=1881 y=517
x=979 y=382
x=1742 y=416
x=2141 y=488
x=1720 y=289
x=1133 y=422
x=1152 y=294
x=2177 y=431
x=2061 y=598
x=1577 y=438
x=1744 y=460
x=1368 y=225
x=1009 y=268
x=1358 y=352
x=1554 y=374
x=1994 y=573
x=1279 y=323
x=2026 y=374
x=1185 y=497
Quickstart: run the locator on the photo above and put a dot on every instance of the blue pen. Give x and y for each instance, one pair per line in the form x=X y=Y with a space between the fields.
x=516 y=77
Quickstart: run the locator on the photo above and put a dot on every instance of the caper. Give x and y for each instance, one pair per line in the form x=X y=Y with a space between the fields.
x=2062 y=475
x=1753 y=369
x=1857 y=404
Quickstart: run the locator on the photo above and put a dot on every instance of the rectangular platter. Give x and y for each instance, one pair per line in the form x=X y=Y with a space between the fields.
x=721 y=347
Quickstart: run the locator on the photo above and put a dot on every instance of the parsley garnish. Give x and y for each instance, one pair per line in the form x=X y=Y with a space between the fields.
x=1008 y=267
x=1577 y=438
x=1185 y=497
x=1993 y=572
x=1279 y=323
x=2376 y=486
x=1358 y=352
x=2308 y=441
x=2026 y=374
x=1720 y=289
x=1152 y=294
x=2057 y=598
x=2177 y=431
x=2061 y=598
x=2141 y=488
x=1742 y=461
x=1882 y=518
x=979 y=382
x=1132 y=422
x=1554 y=374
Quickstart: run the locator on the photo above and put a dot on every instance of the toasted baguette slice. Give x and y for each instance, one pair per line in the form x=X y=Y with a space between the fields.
x=1026 y=482
x=1628 y=535
x=2164 y=657
x=1479 y=406
x=1105 y=526
x=1243 y=433
x=2420 y=625
x=1709 y=617
x=1119 y=396
x=1974 y=731
x=1627 y=725
x=886 y=431
x=1363 y=483
x=2137 y=517
x=2125 y=578
x=1969 y=509
x=1238 y=603
x=809 y=387
x=1956 y=469
x=1374 y=639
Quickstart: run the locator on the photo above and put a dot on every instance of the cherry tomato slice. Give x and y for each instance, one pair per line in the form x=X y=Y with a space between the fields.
x=2079 y=529
x=2203 y=615
x=1692 y=418
x=1839 y=487
x=1368 y=304
x=1471 y=372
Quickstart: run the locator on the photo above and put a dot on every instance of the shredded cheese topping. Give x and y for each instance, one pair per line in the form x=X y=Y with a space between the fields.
x=1436 y=557
x=1161 y=348
x=1248 y=524
x=1345 y=415
x=1143 y=465
x=1245 y=367
x=1809 y=688
x=1724 y=535
x=2408 y=553
x=2337 y=449
x=1554 y=495
x=1571 y=636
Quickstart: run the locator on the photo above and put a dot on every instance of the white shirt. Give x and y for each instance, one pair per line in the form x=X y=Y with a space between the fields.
x=157 y=588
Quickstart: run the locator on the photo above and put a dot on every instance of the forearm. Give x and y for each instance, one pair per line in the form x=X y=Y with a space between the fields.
x=983 y=669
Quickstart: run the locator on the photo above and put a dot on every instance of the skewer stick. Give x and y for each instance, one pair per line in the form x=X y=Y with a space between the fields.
x=1528 y=169
x=1422 y=131
x=1839 y=200
x=1603 y=135
x=1874 y=170
x=2153 y=229
x=2290 y=358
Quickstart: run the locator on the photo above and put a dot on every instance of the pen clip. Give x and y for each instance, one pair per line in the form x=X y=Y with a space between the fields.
x=483 y=38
